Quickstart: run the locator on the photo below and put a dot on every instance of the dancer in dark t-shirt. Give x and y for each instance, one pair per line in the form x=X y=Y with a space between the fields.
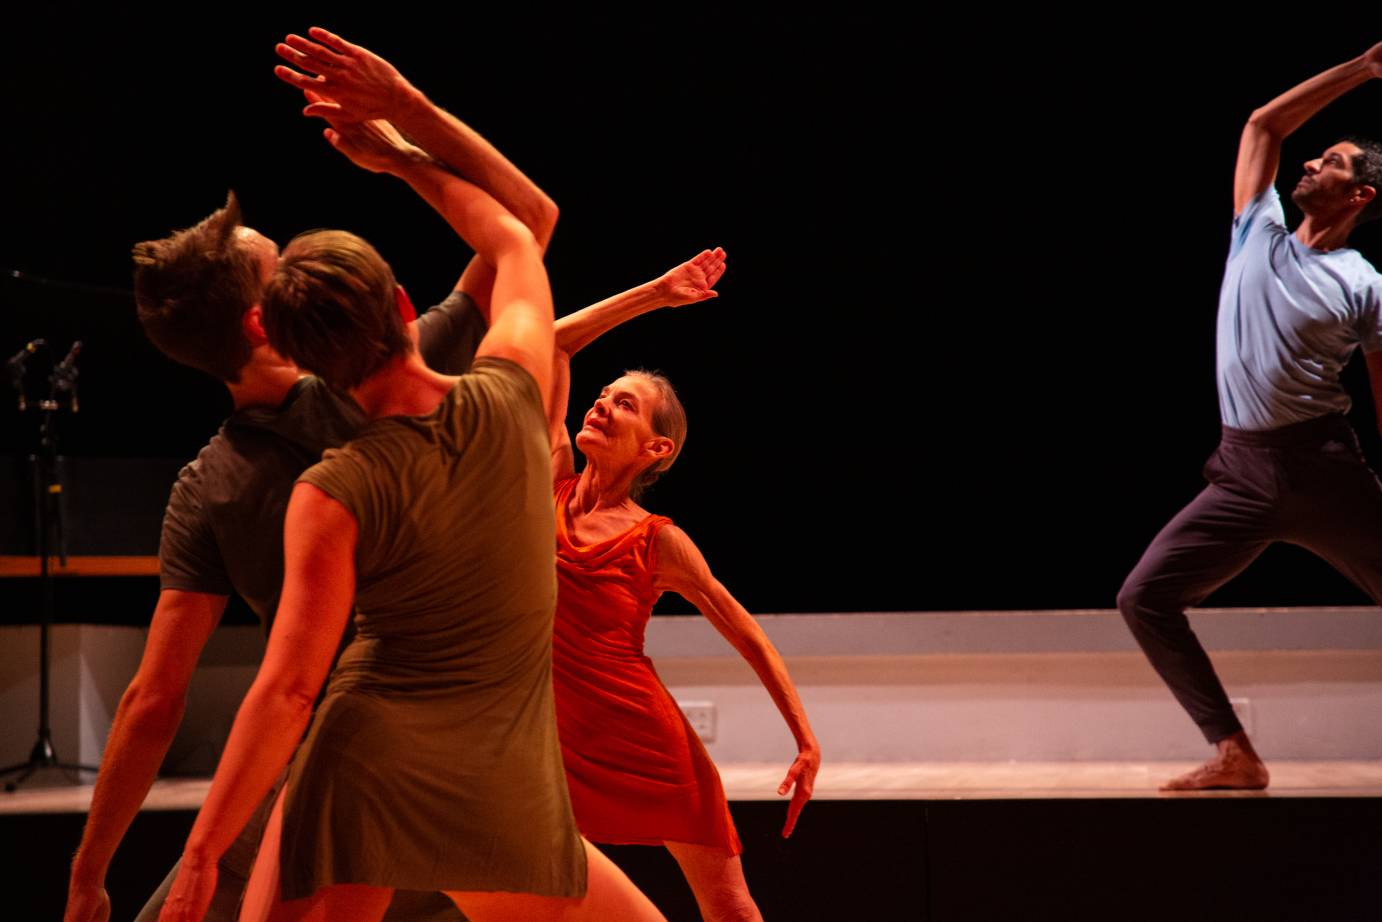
x=198 y=297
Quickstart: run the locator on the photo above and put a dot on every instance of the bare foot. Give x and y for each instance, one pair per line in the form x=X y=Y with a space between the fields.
x=1235 y=765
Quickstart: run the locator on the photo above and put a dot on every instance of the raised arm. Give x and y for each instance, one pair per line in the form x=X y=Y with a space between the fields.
x=145 y=723
x=350 y=83
x=687 y=283
x=1259 y=149
x=318 y=590
x=521 y=310
x=680 y=567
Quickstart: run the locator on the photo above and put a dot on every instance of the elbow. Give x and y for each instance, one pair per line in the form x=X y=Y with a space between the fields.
x=515 y=240
x=153 y=709
x=294 y=701
x=282 y=698
x=545 y=220
x=1262 y=121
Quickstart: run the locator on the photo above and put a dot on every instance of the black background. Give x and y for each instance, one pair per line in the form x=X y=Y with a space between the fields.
x=963 y=357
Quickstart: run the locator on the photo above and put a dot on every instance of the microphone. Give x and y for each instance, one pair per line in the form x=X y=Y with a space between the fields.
x=65 y=373
x=16 y=367
x=19 y=357
x=69 y=363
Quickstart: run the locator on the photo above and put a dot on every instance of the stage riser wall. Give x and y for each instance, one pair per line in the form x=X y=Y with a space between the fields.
x=952 y=861
x=986 y=701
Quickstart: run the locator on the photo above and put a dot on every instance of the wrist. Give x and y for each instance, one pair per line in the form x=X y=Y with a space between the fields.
x=659 y=292
x=86 y=875
x=410 y=104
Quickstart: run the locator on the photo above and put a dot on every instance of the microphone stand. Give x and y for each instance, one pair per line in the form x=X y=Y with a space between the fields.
x=48 y=518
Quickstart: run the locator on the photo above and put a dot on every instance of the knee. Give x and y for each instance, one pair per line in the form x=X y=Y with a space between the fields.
x=1138 y=601
x=1130 y=596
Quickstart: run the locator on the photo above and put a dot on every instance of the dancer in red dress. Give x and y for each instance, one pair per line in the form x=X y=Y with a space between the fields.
x=637 y=772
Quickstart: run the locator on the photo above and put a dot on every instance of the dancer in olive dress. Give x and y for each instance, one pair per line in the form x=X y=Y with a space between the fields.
x=433 y=761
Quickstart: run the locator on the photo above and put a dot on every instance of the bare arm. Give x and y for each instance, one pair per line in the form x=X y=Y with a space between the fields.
x=563 y=455
x=520 y=314
x=318 y=590
x=145 y=723
x=354 y=84
x=1259 y=150
x=687 y=283
x=681 y=568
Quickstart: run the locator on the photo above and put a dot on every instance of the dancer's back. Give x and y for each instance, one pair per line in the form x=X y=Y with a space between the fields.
x=441 y=708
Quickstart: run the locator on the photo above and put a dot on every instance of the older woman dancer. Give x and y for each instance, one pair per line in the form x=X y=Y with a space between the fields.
x=432 y=762
x=637 y=771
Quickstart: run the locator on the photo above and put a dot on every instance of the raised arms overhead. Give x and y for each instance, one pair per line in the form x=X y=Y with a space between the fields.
x=1259 y=150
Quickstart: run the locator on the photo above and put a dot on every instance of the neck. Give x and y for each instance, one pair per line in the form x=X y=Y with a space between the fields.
x=599 y=488
x=1325 y=232
x=264 y=381
x=404 y=387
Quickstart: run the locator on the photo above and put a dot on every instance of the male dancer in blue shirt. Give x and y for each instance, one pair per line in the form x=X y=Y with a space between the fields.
x=1292 y=308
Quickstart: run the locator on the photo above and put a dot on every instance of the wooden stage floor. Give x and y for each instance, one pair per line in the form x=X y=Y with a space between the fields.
x=930 y=781
x=940 y=842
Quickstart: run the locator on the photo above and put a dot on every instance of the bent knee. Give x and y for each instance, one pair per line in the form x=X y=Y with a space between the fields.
x=1143 y=600
x=1131 y=596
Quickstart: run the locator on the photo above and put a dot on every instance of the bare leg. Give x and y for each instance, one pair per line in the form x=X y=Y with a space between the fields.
x=717 y=879
x=610 y=897
x=346 y=902
x=1235 y=765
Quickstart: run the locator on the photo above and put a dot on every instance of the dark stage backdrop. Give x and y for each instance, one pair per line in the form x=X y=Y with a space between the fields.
x=963 y=356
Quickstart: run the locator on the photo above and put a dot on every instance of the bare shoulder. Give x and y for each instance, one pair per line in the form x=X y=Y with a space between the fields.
x=315 y=515
x=678 y=563
x=310 y=499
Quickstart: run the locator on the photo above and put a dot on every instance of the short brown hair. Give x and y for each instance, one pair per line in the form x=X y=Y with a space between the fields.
x=332 y=308
x=192 y=289
x=669 y=421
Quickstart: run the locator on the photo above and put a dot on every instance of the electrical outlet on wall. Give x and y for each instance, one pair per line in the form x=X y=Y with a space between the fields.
x=701 y=716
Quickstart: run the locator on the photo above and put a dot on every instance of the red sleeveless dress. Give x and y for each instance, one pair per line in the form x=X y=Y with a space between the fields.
x=637 y=772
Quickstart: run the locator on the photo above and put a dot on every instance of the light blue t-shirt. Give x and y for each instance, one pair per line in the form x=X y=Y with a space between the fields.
x=1289 y=318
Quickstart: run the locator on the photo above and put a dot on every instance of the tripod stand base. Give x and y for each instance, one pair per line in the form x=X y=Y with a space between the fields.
x=43 y=758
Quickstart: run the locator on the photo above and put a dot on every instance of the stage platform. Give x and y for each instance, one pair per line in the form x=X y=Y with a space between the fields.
x=916 y=841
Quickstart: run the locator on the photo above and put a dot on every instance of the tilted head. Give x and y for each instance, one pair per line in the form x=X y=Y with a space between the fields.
x=193 y=288
x=1345 y=178
x=636 y=419
x=333 y=308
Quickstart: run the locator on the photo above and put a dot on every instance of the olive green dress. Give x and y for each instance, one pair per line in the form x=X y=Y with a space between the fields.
x=433 y=762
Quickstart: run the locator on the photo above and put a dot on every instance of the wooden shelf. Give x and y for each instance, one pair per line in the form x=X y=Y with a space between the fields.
x=80 y=566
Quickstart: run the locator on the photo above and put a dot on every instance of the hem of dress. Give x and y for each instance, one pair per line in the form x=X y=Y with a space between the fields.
x=576 y=893
x=734 y=848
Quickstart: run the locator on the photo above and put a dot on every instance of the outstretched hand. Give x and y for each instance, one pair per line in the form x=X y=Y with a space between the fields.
x=354 y=83
x=802 y=774
x=694 y=280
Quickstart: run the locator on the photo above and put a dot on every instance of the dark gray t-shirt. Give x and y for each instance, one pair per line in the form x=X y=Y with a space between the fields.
x=223 y=528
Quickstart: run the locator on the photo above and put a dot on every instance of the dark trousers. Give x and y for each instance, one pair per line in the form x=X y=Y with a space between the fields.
x=1306 y=484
